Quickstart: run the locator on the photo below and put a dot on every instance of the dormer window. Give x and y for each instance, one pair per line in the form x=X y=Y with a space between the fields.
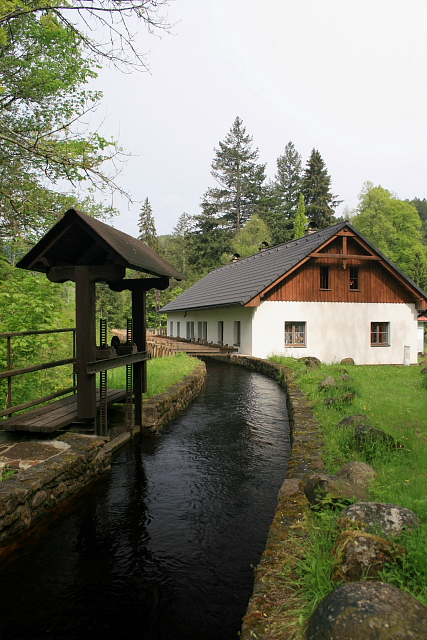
x=324 y=278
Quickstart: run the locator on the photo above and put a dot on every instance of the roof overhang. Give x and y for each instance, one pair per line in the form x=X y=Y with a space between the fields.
x=80 y=240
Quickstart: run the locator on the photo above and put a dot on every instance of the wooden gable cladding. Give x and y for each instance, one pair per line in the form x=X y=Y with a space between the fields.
x=375 y=284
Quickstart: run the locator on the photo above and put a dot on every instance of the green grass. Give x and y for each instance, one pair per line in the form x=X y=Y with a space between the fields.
x=161 y=373
x=394 y=399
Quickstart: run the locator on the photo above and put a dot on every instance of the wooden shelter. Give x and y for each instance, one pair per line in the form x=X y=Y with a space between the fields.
x=84 y=250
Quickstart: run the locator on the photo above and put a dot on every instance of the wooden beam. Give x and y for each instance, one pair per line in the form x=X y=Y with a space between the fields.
x=85 y=343
x=113 y=363
x=347 y=256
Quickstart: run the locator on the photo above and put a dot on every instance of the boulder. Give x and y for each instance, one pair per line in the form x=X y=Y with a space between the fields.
x=367 y=436
x=357 y=419
x=346 y=378
x=291 y=487
x=346 y=361
x=368 y=611
x=359 y=555
x=323 y=489
x=380 y=517
x=327 y=383
x=346 y=397
x=357 y=472
x=311 y=361
x=424 y=370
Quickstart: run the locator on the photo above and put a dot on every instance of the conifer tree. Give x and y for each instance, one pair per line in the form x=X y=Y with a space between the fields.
x=239 y=177
x=147 y=226
x=282 y=195
x=316 y=189
x=300 y=225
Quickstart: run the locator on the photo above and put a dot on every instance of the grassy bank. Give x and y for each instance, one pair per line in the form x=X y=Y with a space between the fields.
x=393 y=399
x=161 y=373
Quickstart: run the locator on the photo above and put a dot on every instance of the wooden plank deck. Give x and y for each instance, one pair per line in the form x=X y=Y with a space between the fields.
x=55 y=415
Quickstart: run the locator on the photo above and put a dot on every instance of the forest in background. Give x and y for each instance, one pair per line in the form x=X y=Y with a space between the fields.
x=48 y=54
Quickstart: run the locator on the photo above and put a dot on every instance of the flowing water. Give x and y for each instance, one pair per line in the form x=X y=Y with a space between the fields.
x=164 y=546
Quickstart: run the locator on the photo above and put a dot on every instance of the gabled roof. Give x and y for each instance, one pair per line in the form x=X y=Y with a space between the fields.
x=78 y=239
x=237 y=283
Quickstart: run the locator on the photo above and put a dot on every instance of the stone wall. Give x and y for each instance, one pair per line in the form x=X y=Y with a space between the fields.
x=159 y=410
x=305 y=457
x=31 y=493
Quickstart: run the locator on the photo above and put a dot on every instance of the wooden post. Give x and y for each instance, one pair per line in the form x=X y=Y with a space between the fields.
x=140 y=339
x=85 y=343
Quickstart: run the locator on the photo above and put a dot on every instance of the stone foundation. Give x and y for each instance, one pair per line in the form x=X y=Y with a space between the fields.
x=31 y=493
x=161 y=409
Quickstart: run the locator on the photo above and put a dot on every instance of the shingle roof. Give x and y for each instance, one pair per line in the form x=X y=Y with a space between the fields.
x=79 y=239
x=237 y=283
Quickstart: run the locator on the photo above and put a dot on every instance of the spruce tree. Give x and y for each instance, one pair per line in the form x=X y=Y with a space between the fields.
x=147 y=226
x=300 y=225
x=282 y=195
x=239 y=177
x=316 y=189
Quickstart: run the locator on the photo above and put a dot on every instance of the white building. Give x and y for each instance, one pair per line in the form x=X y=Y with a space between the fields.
x=331 y=295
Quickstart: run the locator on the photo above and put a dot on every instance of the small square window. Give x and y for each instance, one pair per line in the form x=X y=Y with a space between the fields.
x=354 y=279
x=380 y=334
x=324 y=277
x=295 y=334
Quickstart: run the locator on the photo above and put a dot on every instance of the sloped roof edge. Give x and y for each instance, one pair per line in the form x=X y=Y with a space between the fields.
x=237 y=283
x=135 y=253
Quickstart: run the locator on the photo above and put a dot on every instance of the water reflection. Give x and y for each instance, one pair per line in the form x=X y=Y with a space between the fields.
x=163 y=547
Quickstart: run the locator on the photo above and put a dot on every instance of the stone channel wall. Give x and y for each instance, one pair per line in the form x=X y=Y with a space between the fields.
x=159 y=410
x=32 y=493
x=305 y=457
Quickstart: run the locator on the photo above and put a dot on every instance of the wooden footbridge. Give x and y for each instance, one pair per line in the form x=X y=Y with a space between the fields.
x=84 y=250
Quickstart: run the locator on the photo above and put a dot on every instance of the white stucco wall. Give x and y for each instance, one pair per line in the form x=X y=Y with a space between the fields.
x=228 y=316
x=336 y=330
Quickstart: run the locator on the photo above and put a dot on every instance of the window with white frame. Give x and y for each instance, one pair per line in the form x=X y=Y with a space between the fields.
x=200 y=330
x=380 y=334
x=205 y=331
x=178 y=329
x=236 y=341
x=190 y=331
x=171 y=328
x=295 y=334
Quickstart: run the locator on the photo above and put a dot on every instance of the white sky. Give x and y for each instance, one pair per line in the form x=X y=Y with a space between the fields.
x=346 y=78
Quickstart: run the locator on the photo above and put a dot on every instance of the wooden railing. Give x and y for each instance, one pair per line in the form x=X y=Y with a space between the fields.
x=10 y=373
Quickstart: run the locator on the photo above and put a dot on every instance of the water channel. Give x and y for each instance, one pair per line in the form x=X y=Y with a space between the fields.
x=164 y=546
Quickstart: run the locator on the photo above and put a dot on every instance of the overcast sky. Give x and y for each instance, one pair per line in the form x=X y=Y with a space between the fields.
x=346 y=78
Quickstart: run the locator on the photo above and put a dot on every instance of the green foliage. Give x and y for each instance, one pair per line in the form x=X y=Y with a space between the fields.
x=147 y=226
x=300 y=226
x=402 y=475
x=6 y=473
x=316 y=189
x=240 y=180
x=30 y=302
x=284 y=195
x=247 y=241
x=394 y=227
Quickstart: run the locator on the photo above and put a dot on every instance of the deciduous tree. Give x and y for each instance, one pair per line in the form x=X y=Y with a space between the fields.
x=394 y=227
